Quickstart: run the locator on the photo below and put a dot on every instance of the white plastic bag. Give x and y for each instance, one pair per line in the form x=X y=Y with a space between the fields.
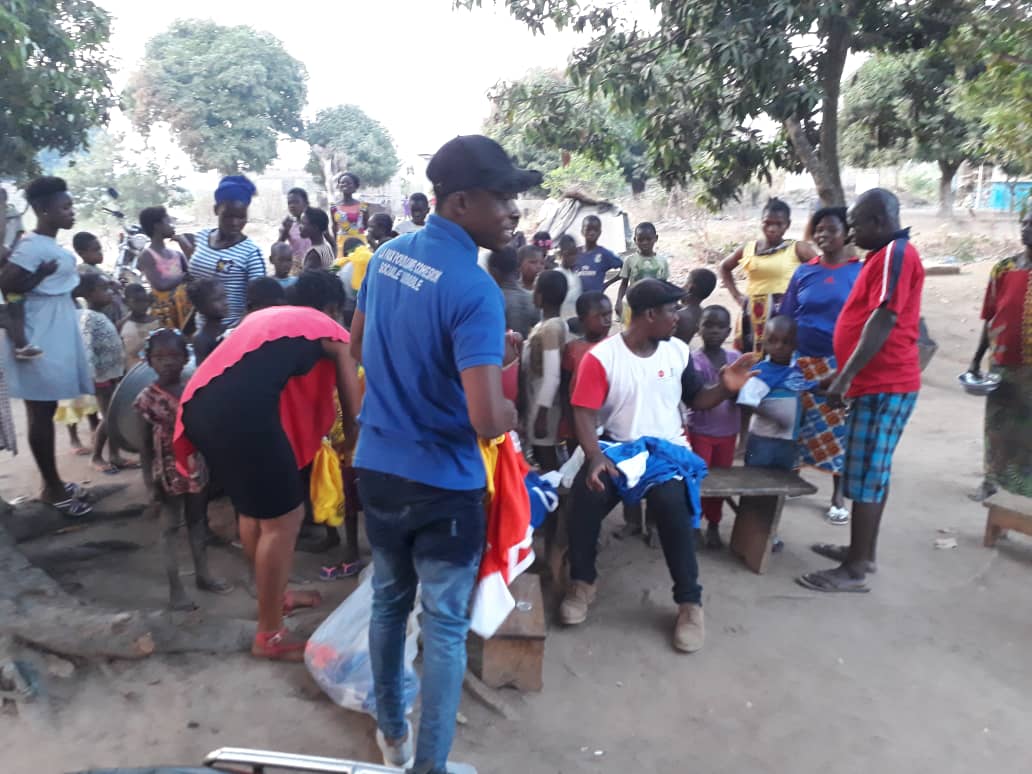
x=337 y=654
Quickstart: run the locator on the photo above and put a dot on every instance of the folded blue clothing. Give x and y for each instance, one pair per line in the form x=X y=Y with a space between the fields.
x=650 y=461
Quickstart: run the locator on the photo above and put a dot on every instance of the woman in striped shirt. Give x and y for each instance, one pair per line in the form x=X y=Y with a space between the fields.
x=225 y=253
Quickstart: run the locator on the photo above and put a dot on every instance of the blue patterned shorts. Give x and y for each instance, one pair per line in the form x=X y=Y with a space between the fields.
x=873 y=428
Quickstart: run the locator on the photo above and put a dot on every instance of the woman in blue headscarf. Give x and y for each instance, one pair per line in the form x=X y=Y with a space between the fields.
x=226 y=253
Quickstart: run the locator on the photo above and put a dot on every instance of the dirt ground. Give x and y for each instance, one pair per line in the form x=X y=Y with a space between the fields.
x=927 y=673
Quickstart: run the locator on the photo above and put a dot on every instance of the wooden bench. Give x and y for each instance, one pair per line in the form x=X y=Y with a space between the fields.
x=1006 y=511
x=515 y=655
x=761 y=494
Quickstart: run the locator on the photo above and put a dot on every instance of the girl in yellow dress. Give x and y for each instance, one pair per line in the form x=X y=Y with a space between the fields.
x=769 y=264
x=349 y=215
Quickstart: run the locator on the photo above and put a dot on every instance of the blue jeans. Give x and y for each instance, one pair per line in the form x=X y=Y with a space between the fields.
x=435 y=537
x=763 y=452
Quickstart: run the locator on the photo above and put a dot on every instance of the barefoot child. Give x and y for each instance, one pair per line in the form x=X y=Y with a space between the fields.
x=282 y=260
x=87 y=246
x=595 y=315
x=314 y=223
x=714 y=432
x=209 y=299
x=644 y=264
x=700 y=286
x=531 y=263
x=774 y=399
x=568 y=257
x=541 y=369
x=178 y=497
x=107 y=362
x=139 y=324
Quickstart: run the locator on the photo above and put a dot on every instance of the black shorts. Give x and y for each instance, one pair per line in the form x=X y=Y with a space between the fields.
x=234 y=422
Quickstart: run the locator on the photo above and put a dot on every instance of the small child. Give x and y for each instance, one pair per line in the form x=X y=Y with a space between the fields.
x=542 y=374
x=418 y=209
x=595 y=314
x=543 y=241
x=89 y=249
x=700 y=286
x=264 y=292
x=179 y=497
x=282 y=259
x=106 y=354
x=594 y=260
x=87 y=246
x=380 y=229
x=314 y=223
x=714 y=432
x=531 y=263
x=209 y=299
x=568 y=257
x=644 y=263
x=773 y=398
x=13 y=307
x=139 y=324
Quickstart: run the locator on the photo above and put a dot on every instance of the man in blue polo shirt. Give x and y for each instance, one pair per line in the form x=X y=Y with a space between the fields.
x=429 y=331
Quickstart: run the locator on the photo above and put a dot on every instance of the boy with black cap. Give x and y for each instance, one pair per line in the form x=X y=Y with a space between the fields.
x=429 y=330
x=631 y=386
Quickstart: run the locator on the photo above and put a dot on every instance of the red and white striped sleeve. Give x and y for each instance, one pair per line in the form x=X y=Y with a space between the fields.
x=592 y=383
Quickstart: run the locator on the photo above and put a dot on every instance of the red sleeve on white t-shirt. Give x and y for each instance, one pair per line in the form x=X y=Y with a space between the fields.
x=592 y=384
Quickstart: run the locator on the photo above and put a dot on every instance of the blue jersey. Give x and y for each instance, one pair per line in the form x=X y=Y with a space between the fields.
x=592 y=266
x=814 y=298
x=430 y=313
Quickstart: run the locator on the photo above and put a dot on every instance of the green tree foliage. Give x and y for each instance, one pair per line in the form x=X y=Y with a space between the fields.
x=545 y=113
x=345 y=139
x=54 y=78
x=900 y=107
x=227 y=93
x=109 y=164
x=596 y=179
x=698 y=81
x=998 y=37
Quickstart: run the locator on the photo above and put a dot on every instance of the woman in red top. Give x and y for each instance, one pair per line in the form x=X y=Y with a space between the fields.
x=1007 y=312
x=257 y=409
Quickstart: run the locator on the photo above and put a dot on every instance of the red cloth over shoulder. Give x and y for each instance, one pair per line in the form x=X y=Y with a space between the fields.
x=306 y=405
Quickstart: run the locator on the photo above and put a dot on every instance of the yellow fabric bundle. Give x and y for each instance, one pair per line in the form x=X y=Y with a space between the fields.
x=327 y=487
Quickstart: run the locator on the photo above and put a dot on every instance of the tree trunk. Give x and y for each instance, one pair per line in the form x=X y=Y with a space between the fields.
x=829 y=185
x=947 y=171
x=823 y=163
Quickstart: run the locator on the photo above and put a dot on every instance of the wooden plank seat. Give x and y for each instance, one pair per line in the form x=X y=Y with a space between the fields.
x=1006 y=511
x=760 y=494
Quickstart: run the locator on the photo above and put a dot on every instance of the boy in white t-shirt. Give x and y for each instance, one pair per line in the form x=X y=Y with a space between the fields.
x=631 y=385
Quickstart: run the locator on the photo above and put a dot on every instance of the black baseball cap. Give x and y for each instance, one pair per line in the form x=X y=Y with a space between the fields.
x=651 y=293
x=475 y=161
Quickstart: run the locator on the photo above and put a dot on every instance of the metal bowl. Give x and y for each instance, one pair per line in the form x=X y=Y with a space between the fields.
x=981 y=386
x=123 y=423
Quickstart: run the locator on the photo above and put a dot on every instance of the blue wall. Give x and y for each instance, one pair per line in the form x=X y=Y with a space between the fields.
x=1000 y=196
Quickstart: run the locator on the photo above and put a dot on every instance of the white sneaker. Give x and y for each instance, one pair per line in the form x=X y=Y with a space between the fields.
x=460 y=768
x=401 y=755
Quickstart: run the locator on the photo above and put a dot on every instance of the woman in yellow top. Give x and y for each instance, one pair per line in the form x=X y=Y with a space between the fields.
x=768 y=265
x=349 y=215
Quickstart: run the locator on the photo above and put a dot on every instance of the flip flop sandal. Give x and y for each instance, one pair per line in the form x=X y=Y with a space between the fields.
x=73 y=508
x=816 y=581
x=342 y=570
x=281 y=645
x=838 y=554
x=293 y=601
x=75 y=491
x=108 y=469
x=126 y=465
